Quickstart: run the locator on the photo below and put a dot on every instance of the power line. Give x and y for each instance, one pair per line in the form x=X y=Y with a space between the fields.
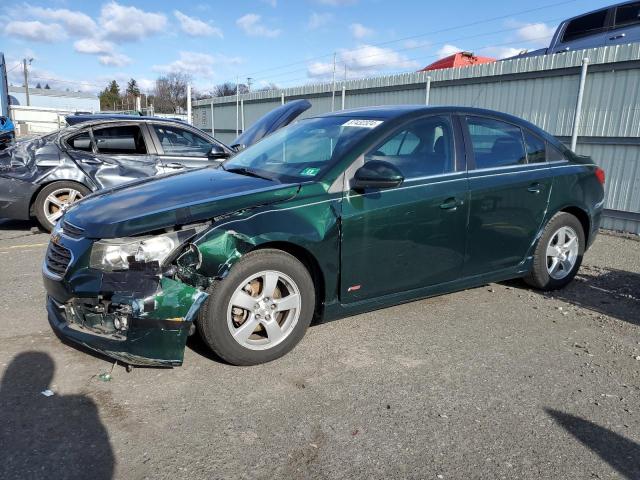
x=479 y=49
x=412 y=37
x=466 y=37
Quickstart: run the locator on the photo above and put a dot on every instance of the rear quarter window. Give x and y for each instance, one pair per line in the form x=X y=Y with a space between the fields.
x=82 y=142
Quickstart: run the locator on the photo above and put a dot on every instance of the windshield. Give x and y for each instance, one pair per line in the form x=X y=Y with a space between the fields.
x=301 y=151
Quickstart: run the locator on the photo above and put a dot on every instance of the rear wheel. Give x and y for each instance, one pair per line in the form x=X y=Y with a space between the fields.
x=558 y=254
x=48 y=205
x=260 y=311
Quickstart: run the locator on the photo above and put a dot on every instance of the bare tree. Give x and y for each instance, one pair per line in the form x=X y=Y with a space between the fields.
x=170 y=93
x=228 y=89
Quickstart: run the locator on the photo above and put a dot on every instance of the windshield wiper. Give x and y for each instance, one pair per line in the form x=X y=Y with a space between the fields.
x=247 y=172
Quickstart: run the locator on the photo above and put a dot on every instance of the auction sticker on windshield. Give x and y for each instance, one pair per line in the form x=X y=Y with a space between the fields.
x=310 y=172
x=362 y=123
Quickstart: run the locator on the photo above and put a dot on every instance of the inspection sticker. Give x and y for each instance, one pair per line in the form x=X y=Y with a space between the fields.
x=310 y=172
x=362 y=123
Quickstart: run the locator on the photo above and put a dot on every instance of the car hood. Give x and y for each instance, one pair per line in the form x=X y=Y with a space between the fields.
x=272 y=121
x=176 y=199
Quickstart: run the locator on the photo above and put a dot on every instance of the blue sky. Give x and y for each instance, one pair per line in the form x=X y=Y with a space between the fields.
x=81 y=45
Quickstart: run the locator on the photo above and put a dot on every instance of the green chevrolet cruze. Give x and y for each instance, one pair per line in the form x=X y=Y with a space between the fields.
x=334 y=215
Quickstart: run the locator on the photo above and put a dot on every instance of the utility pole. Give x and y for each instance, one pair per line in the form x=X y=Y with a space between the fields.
x=26 y=78
x=333 y=85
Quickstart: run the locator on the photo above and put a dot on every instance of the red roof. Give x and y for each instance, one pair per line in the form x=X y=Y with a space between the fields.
x=460 y=59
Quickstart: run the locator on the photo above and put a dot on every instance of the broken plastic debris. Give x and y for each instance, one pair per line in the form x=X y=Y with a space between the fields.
x=104 y=377
x=47 y=393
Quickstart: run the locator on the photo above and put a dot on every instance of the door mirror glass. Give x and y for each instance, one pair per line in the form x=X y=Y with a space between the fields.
x=376 y=174
x=217 y=152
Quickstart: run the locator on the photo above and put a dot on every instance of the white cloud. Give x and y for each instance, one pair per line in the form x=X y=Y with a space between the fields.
x=74 y=22
x=318 y=20
x=363 y=60
x=448 y=49
x=538 y=34
x=35 y=31
x=252 y=26
x=193 y=63
x=412 y=44
x=114 y=60
x=122 y=23
x=93 y=46
x=196 y=27
x=360 y=31
x=337 y=3
x=500 y=52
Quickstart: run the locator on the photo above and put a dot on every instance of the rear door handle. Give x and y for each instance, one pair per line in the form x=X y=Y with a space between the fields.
x=450 y=204
x=616 y=37
x=535 y=188
x=174 y=165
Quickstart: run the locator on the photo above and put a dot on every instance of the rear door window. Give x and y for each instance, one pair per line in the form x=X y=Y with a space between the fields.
x=586 y=25
x=122 y=139
x=82 y=142
x=627 y=15
x=495 y=143
x=179 y=142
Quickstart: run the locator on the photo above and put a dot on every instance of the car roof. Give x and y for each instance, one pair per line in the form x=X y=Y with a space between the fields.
x=99 y=117
x=614 y=5
x=392 y=112
x=398 y=113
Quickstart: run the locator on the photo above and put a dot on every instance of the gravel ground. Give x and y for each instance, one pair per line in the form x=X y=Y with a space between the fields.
x=494 y=382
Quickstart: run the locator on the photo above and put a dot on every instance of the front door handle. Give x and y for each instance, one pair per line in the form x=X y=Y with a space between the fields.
x=535 y=188
x=618 y=36
x=451 y=203
x=174 y=165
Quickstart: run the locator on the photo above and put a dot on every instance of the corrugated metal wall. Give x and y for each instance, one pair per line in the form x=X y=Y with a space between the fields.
x=541 y=89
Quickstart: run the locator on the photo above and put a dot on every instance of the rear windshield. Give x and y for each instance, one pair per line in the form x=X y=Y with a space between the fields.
x=304 y=150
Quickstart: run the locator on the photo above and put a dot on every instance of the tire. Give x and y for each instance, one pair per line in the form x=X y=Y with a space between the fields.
x=552 y=273
x=221 y=318
x=43 y=207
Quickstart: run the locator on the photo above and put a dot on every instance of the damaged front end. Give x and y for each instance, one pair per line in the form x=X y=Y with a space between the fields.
x=124 y=297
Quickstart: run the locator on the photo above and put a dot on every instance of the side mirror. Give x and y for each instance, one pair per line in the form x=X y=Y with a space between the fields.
x=376 y=174
x=217 y=152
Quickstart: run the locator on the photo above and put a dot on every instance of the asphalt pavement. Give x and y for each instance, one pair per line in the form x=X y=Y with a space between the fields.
x=495 y=382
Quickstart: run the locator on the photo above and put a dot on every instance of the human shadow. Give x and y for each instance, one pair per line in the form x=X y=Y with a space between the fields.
x=619 y=452
x=59 y=436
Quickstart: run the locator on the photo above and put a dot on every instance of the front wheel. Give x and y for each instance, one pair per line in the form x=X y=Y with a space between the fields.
x=558 y=254
x=260 y=311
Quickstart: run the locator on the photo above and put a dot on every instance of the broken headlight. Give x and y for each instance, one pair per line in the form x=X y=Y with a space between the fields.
x=119 y=253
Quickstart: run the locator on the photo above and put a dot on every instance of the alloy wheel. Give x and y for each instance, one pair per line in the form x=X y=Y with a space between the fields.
x=264 y=310
x=562 y=252
x=57 y=200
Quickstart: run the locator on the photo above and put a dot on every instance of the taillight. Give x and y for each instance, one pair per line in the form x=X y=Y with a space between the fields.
x=600 y=175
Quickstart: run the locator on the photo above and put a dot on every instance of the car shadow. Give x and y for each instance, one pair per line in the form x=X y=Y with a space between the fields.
x=27 y=225
x=619 y=452
x=56 y=436
x=607 y=291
